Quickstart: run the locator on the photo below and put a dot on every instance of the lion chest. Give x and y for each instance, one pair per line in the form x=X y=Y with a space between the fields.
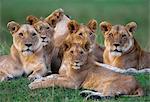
x=31 y=63
x=28 y=67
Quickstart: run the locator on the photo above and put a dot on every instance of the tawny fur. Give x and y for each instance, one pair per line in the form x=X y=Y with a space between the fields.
x=23 y=59
x=53 y=36
x=82 y=72
x=46 y=32
x=61 y=31
x=80 y=32
x=130 y=54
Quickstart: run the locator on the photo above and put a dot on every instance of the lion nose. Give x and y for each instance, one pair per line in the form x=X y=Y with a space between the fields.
x=116 y=44
x=43 y=38
x=28 y=45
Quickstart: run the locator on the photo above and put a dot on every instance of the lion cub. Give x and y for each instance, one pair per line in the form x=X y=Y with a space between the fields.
x=83 y=72
x=122 y=49
x=80 y=32
x=26 y=55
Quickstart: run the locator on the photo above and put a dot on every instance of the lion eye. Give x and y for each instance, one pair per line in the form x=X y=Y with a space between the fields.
x=81 y=52
x=110 y=34
x=20 y=34
x=47 y=27
x=71 y=52
x=90 y=33
x=40 y=27
x=33 y=34
x=80 y=34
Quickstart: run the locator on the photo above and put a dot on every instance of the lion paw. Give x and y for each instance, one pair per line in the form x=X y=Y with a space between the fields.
x=85 y=93
x=32 y=85
x=34 y=77
x=37 y=83
x=5 y=78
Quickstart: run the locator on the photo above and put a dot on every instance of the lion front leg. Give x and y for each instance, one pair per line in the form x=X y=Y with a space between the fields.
x=4 y=75
x=10 y=72
x=48 y=64
x=39 y=71
x=53 y=80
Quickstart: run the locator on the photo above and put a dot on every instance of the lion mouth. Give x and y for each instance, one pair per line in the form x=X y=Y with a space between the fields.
x=28 y=50
x=43 y=41
x=116 y=50
x=77 y=65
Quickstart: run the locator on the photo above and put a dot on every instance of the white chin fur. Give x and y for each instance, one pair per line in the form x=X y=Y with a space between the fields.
x=44 y=43
x=27 y=53
x=115 y=53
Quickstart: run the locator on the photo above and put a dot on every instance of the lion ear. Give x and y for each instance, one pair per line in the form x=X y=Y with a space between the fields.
x=13 y=27
x=131 y=27
x=55 y=17
x=32 y=19
x=105 y=26
x=92 y=24
x=73 y=26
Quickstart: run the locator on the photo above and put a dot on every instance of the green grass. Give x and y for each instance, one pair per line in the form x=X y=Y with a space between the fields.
x=115 y=11
x=18 y=91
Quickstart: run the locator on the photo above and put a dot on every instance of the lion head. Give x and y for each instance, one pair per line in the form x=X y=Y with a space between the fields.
x=25 y=38
x=75 y=54
x=79 y=32
x=118 y=38
x=45 y=28
x=60 y=20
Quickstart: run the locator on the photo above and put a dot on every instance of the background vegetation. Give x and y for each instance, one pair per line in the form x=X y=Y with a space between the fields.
x=114 y=11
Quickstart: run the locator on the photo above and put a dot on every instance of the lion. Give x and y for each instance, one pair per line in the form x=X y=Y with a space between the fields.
x=46 y=30
x=26 y=54
x=83 y=72
x=80 y=32
x=121 y=48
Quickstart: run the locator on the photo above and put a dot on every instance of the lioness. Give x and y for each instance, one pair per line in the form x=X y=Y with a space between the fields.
x=45 y=28
x=122 y=50
x=26 y=55
x=80 y=32
x=83 y=72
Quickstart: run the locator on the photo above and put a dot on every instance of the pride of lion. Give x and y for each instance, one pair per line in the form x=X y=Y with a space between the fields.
x=59 y=51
